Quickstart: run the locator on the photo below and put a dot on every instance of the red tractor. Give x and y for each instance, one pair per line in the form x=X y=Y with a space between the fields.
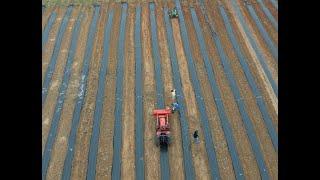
x=162 y=127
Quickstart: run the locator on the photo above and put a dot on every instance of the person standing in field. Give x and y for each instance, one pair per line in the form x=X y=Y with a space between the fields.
x=173 y=94
x=175 y=107
x=196 y=137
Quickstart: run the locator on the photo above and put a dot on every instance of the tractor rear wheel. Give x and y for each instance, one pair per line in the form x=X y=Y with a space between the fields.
x=156 y=141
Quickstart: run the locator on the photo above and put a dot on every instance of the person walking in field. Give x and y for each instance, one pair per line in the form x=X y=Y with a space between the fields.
x=196 y=137
x=173 y=94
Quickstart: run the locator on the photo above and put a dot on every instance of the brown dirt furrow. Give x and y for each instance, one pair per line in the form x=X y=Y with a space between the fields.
x=243 y=145
x=199 y=154
x=175 y=149
x=105 y=149
x=253 y=111
x=253 y=60
x=48 y=48
x=271 y=8
x=152 y=153
x=265 y=21
x=256 y=75
x=223 y=156
x=60 y=147
x=80 y=161
x=128 y=114
x=272 y=64
x=53 y=90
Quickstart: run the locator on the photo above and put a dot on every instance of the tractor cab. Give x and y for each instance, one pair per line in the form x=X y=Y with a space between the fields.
x=173 y=13
x=162 y=126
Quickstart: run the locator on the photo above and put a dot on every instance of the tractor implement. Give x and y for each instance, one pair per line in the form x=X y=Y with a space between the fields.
x=162 y=138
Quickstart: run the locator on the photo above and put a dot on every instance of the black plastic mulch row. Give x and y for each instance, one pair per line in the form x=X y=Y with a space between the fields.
x=94 y=141
x=187 y=157
x=164 y=157
x=117 y=138
x=200 y=102
x=66 y=174
x=217 y=98
x=256 y=92
x=139 y=125
x=274 y=3
x=47 y=28
x=54 y=57
x=241 y=106
x=273 y=49
x=260 y=56
x=61 y=97
x=268 y=14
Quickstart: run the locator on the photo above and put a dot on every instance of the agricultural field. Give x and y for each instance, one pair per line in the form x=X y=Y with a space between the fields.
x=106 y=65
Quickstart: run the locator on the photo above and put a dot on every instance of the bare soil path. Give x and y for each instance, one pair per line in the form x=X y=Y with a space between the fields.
x=152 y=156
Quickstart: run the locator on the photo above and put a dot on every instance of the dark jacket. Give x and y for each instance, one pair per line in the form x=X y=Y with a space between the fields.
x=195 y=134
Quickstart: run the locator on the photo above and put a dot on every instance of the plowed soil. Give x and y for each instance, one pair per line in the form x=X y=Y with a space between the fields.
x=79 y=167
x=53 y=89
x=152 y=154
x=175 y=150
x=151 y=157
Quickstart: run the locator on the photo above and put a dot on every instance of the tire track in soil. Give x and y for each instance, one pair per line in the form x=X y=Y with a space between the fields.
x=48 y=48
x=52 y=94
x=87 y=93
x=227 y=165
x=60 y=146
x=175 y=149
x=94 y=139
x=267 y=148
x=262 y=73
x=243 y=146
x=128 y=114
x=255 y=33
x=199 y=154
x=256 y=76
x=151 y=155
x=58 y=50
x=105 y=149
